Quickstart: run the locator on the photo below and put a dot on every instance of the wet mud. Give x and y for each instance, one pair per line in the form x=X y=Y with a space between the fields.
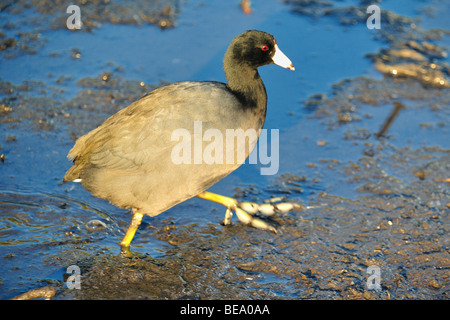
x=53 y=15
x=368 y=160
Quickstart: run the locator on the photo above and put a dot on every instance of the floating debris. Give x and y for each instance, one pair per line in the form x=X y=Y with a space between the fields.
x=47 y=292
x=75 y=53
x=245 y=5
x=409 y=63
x=427 y=76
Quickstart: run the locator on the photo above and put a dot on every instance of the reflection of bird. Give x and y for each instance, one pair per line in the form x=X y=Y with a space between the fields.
x=127 y=159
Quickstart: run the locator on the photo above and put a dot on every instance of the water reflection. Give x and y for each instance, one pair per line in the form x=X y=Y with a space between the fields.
x=29 y=218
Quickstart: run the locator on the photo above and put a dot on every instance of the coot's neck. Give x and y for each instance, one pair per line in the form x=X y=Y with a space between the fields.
x=244 y=81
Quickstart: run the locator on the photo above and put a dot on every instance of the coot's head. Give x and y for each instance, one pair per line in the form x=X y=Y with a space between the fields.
x=254 y=49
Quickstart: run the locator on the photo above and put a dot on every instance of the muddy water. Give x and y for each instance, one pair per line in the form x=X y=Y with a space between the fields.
x=364 y=146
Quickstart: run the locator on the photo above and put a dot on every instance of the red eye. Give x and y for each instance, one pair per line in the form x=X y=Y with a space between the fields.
x=264 y=48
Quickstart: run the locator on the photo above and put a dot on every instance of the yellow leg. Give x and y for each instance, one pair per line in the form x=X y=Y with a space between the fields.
x=226 y=201
x=134 y=225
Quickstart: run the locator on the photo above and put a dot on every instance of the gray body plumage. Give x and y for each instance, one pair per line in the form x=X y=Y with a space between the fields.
x=127 y=159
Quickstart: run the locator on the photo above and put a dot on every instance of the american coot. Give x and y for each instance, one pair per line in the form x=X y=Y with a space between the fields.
x=129 y=158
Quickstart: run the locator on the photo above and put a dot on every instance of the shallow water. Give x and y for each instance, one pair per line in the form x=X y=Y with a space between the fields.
x=380 y=201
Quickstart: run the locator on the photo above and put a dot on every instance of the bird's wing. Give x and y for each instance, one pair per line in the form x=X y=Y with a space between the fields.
x=140 y=136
